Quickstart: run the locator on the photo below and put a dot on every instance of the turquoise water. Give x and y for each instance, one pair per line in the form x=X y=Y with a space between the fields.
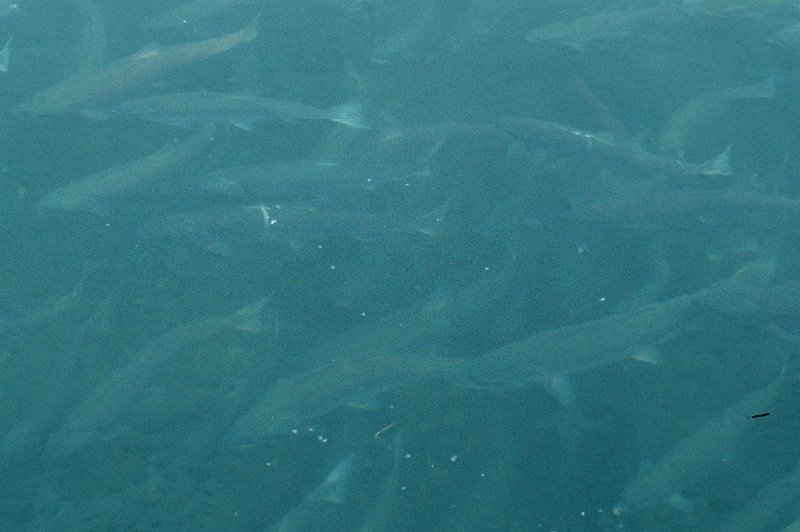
x=367 y=265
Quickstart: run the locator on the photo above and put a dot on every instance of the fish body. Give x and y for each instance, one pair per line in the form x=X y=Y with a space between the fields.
x=581 y=32
x=191 y=108
x=93 y=192
x=690 y=460
x=191 y=13
x=653 y=206
x=96 y=87
x=356 y=381
x=332 y=490
x=101 y=407
x=703 y=108
x=601 y=147
x=550 y=355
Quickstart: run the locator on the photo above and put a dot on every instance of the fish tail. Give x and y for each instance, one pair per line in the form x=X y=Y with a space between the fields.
x=719 y=165
x=250 y=32
x=350 y=114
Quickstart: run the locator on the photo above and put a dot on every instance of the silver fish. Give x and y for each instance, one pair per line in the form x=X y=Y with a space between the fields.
x=190 y=108
x=701 y=109
x=93 y=192
x=551 y=355
x=601 y=147
x=109 y=400
x=190 y=13
x=332 y=490
x=689 y=461
x=603 y=25
x=354 y=381
x=88 y=89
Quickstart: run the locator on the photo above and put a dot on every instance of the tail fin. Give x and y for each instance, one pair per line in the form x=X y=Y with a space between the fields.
x=250 y=318
x=350 y=114
x=719 y=165
x=333 y=488
x=250 y=32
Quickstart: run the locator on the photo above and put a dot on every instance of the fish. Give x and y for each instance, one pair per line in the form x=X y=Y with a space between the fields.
x=333 y=490
x=690 y=460
x=653 y=205
x=191 y=13
x=99 y=86
x=736 y=8
x=5 y=56
x=357 y=381
x=8 y=8
x=770 y=507
x=700 y=110
x=103 y=405
x=93 y=39
x=299 y=224
x=788 y=37
x=285 y=180
x=550 y=356
x=93 y=193
x=579 y=33
x=47 y=310
x=602 y=147
x=191 y=108
x=408 y=39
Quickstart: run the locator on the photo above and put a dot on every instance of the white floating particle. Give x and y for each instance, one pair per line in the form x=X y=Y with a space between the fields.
x=454 y=458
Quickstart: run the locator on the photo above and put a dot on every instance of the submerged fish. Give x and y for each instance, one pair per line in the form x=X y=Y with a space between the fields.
x=701 y=109
x=93 y=192
x=96 y=87
x=281 y=181
x=603 y=25
x=551 y=355
x=190 y=108
x=601 y=147
x=332 y=490
x=737 y=8
x=93 y=40
x=5 y=56
x=690 y=460
x=355 y=381
x=770 y=508
x=788 y=37
x=94 y=415
x=8 y=7
x=190 y=13
x=649 y=205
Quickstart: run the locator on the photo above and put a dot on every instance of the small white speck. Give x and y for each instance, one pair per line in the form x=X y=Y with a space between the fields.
x=602 y=300
x=454 y=458
x=483 y=475
x=295 y=431
x=332 y=267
